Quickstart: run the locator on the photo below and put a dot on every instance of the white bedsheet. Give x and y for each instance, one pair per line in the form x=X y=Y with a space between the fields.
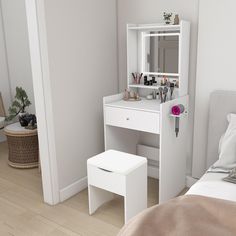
x=212 y=185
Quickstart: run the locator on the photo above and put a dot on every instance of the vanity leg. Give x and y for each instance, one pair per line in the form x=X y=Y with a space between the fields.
x=97 y=197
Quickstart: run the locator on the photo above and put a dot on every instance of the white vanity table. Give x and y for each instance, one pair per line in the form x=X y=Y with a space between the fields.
x=146 y=127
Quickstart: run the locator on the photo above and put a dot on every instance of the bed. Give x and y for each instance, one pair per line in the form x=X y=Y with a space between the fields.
x=212 y=185
x=222 y=103
x=209 y=207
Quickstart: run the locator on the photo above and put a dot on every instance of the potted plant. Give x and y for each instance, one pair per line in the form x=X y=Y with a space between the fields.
x=167 y=17
x=19 y=105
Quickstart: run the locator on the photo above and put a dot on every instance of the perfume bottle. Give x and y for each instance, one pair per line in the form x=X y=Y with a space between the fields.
x=127 y=94
x=176 y=19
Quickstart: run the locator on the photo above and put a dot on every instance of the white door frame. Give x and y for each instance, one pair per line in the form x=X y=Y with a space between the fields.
x=35 y=13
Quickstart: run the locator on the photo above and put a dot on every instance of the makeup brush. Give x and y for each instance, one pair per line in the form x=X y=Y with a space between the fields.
x=161 y=94
x=140 y=77
x=172 y=87
x=134 y=77
x=165 y=91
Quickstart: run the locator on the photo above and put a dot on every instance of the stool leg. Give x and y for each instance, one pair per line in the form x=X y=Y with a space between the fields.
x=97 y=197
x=133 y=207
x=135 y=198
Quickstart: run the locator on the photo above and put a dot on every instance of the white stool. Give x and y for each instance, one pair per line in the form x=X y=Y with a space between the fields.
x=120 y=173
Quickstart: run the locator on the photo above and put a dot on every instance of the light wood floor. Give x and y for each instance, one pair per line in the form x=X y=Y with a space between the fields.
x=23 y=213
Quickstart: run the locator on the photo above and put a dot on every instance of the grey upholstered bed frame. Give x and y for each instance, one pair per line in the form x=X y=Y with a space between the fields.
x=221 y=104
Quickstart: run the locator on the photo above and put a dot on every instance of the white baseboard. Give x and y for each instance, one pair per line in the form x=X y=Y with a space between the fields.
x=73 y=189
x=190 y=181
x=81 y=184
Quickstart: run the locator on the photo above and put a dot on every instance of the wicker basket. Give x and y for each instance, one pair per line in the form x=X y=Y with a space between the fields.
x=23 y=146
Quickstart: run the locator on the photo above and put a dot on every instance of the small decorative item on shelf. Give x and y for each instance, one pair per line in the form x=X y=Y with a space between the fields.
x=137 y=77
x=131 y=96
x=149 y=97
x=154 y=80
x=176 y=19
x=167 y=17
x=164 y=81
x=146 y=82
x=150 y=82
x=126 y=94
x=172 y=87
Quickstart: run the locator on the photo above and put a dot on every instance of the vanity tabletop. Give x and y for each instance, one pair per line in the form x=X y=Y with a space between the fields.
x=142 y=105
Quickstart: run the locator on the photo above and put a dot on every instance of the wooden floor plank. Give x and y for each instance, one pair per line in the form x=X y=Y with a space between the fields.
x=22 y=211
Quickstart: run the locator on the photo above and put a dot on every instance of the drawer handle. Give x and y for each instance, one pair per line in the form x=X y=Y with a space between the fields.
x=105 y=170
x=127 y=118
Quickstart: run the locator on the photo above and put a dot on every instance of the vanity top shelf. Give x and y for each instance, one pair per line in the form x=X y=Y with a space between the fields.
x=142 y=105
x=144 y=86
x=157 y=27
x=153 y=87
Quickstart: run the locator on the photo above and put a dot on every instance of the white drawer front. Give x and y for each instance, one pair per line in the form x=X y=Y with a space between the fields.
x=133 y=119
x=109 y=181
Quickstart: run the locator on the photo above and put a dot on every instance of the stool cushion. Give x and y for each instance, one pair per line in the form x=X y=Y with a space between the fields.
x=118 y=162
x=2 y=121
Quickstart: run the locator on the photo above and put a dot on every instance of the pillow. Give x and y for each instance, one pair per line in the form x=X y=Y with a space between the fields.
x=220 y=143
x=222 y=137
x=227 y=145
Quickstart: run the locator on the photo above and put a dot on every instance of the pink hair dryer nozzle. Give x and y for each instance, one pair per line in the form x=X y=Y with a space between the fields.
x=177 y=109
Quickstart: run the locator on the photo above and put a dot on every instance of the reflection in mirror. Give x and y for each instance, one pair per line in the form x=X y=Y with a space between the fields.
x=161 y=54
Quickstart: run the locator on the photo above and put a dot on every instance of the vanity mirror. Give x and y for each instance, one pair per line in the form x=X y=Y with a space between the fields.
x=160 y=54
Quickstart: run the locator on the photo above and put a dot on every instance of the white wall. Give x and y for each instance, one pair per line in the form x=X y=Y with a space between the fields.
x=17 y=46
x=82 y=49
x=216 y=67
x=4 y=82
x=151 y=11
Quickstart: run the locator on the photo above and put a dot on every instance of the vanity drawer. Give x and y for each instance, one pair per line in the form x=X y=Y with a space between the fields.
x=133 y=119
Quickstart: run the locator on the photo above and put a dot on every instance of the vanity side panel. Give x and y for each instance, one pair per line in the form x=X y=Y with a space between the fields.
x=173 y=151
x=132 y=53
x=184 y=45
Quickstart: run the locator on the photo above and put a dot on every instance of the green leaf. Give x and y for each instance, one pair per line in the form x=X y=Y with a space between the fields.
x=16 y=104
x=19 y=104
